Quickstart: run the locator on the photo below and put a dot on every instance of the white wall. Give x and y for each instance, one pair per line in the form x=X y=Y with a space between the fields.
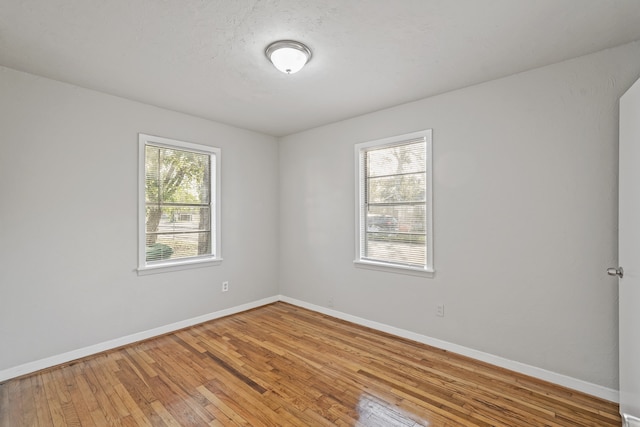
x=525 y=212
x=68 y=220
x=525 y=217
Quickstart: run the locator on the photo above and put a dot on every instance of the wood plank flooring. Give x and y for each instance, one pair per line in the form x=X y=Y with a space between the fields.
x=282 y=365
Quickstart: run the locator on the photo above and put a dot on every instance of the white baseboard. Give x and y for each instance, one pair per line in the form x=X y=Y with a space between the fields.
x=60 y=359
x=552 y=377
x=630 y=421
x=543 y=374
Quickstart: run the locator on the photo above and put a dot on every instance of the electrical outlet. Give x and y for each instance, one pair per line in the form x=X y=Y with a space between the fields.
x=330 y=302
x=225 y=286
x=440 y=310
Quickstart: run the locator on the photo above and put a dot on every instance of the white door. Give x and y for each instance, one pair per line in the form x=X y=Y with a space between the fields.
x=629 y=255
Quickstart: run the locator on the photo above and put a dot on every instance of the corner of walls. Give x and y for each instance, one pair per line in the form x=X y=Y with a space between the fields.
x=524 y=208
x=542 y=374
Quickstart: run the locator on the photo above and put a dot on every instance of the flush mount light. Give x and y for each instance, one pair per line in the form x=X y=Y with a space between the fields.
x=288 y=56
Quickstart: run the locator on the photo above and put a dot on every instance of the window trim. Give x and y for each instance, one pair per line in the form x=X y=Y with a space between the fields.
x=428 y=270
x=185 y=263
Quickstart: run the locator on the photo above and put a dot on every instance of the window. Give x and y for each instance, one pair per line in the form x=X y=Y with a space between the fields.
x=179 y=212
x=393 y=206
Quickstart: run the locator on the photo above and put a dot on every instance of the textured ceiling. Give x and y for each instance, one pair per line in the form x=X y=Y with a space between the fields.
x=206 y=57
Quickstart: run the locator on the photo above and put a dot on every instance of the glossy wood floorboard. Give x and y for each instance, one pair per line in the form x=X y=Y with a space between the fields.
x=281 y=365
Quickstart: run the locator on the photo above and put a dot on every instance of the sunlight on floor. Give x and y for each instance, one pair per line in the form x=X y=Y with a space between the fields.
x=375 y=412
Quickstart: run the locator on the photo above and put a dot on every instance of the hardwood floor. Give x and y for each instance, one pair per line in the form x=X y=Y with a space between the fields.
x=281 y=365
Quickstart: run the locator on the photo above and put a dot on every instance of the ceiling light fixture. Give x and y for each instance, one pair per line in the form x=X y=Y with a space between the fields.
x=288 y=56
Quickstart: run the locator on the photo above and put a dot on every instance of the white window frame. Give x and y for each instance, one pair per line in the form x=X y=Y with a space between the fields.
x=360 y=205
x=186 y=263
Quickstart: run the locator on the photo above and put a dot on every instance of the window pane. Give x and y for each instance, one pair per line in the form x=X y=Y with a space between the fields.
x=381 y=222
x=175 y=246
x=402 y=218
x=182 y=176
x=396 y=234
x=392 y=248
x=186 y=230
x=152 y=170
x=191 y=171
x=395 y=201
x=177 y=219
x=177 y=194
x=397 y=188
x=158 y=252
x=400 y=159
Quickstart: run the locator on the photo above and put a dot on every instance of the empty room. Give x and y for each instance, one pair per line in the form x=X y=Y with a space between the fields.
x=318 y=213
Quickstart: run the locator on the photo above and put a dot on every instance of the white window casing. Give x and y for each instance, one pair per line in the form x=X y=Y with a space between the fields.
x=394 y=207
x=178 y=205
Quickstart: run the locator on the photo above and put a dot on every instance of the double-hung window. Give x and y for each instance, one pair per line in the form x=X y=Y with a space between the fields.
x=394 y=204
x=179 y=204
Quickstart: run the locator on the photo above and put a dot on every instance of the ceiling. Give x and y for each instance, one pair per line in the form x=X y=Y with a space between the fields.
x=206 y=57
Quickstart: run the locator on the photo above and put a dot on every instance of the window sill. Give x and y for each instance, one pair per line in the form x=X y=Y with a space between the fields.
x=166 y=267
x=394 y=268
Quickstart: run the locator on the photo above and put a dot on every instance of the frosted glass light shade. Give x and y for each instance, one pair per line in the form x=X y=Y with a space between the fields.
x=288 y=56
